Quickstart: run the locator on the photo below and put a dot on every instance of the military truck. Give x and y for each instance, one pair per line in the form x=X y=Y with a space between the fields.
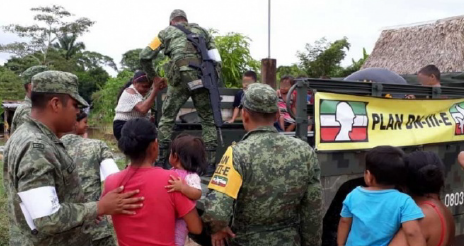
x=349 y=118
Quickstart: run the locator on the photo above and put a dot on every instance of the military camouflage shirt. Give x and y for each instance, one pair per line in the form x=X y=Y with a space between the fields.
x=35 y=158
x=267 y=189
x=88 y=154
x=175 y=45
x=21 y=114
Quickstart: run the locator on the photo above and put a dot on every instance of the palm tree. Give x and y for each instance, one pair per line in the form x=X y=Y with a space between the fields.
x=67 y=43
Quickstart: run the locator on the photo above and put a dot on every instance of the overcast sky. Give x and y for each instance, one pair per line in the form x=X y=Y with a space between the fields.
x=125 y=25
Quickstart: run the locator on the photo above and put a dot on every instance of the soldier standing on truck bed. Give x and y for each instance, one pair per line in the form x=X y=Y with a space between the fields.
x=267 y=184
x=181 y=52
x=24 y=110
x=46 y=204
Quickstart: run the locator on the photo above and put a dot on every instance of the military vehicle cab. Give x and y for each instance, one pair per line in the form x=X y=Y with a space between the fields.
x=349 y=118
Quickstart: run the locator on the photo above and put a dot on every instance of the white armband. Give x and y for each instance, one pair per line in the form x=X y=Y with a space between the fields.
x=27 y=216
x=107 y=167
x=39 y=202
x=214 y=55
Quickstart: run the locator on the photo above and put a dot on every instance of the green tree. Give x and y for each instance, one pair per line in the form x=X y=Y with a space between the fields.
x=11 y=86
x=19 y=65
x=323 y=58
x=355 y=66
x=91 y=81
x=57 y=61
x=51 y=24
x=68 y=46
x=292 y=70
x=130 y=60
x=89 y=60
x=234 y=49
x=105 y=100
x=160 y=63
x=53 y=41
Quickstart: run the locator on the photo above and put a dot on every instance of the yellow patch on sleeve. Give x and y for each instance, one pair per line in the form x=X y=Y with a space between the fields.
x=226 y=179
x=155 y=43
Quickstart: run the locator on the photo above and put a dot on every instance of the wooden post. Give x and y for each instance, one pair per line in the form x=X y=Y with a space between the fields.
x=6 y=126
x=269 y=72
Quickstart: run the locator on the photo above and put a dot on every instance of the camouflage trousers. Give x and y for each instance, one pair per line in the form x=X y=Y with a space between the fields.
x=102 y=233
x=175 y=98
x=106 y=241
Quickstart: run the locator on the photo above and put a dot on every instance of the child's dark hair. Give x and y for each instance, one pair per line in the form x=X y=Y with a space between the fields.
x=81 y=115
x=251 y=74
x=430 y=70
x=426 y=173
x=191 y=152
x=386 y=164
x=288 y=78
x=136 y=136
x=139 y=76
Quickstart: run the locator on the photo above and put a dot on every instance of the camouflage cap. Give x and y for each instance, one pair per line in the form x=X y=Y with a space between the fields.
x=58 y=82
x=177 y=13
x=260 y=98
x=27 y=75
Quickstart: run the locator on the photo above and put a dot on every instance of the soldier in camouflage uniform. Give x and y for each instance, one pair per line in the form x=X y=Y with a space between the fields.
x=94 y=162
x=181 y=52
x=24 y=110
x=46 y=204
x=267 y=185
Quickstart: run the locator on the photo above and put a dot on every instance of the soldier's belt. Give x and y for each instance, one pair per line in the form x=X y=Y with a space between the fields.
x=288 y=224
x=187 y=62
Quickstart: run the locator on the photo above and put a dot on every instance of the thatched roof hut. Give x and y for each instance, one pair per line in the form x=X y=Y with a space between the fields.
x=405 y=50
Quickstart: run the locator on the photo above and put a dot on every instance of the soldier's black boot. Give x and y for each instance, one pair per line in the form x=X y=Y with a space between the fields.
x=211 y=159
x=163 y=157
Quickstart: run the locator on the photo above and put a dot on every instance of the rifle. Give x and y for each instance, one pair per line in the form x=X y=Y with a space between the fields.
x=209 y=77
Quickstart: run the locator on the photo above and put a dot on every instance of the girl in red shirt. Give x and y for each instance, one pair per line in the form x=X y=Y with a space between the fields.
x=154 y=223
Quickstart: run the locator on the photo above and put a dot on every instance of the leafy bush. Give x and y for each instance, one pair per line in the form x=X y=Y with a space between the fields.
x=4 y=224
x=11 y=86
x=324 y=57
x=234 y=49
x=105 y=100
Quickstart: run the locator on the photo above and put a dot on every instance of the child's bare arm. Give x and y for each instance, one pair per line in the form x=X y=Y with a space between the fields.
x=344 y=227
x=291 y=127
x=399 y=239
x=413 y=233
x=190 y=192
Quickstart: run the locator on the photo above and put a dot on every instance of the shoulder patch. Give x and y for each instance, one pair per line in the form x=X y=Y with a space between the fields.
x=38 y=146
x=155 y=43
x=226 y=179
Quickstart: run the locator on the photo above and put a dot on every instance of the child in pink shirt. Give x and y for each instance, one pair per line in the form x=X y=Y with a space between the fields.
x=188 y=159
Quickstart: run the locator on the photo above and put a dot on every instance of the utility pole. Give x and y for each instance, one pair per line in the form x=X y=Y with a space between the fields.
x=269 y=29
x=268 y=65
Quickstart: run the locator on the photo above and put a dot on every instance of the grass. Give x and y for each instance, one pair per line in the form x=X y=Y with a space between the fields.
x=121 y=163
x=4 y=225
x=105 y=135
